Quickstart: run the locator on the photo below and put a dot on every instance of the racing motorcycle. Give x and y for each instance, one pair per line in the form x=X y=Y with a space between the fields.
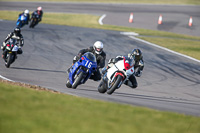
x=81 y=71
x=21 y=21
x=116 y=75
x=34 y=20
x=11 y=52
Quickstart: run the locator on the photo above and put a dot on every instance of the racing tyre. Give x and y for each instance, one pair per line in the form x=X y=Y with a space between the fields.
x=68 y=84
x=101 y=88
x=115 y=83
x=31 y=24
x=78 y=79
x=9 y=60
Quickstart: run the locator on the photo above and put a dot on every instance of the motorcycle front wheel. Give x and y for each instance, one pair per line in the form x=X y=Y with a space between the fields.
x=78 y=79
x=115 y=84
x=32 y=24
x=68 y=84
x=10 y=60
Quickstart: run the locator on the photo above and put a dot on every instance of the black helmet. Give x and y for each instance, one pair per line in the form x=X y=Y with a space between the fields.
x=136 y=54
x=17 y=31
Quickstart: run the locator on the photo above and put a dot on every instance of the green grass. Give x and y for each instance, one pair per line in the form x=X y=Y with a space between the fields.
x=195 y=2
x=184 y=44
x=187 y=47
x=24 y=110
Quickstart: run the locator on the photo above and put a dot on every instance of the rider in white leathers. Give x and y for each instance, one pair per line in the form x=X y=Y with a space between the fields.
x=136 y=56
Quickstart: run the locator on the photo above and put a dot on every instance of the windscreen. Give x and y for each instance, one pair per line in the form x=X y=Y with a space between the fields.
x=131 y=62
x=12 y=41
x=90 y=56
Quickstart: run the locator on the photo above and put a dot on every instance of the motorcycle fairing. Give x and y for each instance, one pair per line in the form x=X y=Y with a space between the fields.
x=82 y=65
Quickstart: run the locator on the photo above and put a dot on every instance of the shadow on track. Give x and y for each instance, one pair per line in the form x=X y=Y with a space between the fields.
x=41 y=70
x=153 y=98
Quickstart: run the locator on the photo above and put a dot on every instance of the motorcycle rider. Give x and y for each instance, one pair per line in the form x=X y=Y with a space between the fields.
x=26 y=14
x=97 y=50
x=139 y=62
x=38 y=12
x=136 y=56
x=16 y=34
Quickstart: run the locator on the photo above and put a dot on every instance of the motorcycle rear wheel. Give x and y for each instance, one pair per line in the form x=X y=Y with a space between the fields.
x=101 y=88
x=77 y=80
x=115 y=84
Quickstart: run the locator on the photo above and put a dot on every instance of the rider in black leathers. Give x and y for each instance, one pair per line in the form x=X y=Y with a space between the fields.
x=38 y=12
x=97 y=50
x=139 y=62
x=14 y=35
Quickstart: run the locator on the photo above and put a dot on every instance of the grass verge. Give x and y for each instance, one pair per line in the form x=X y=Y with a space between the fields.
x=25 y=110
x=189 y=45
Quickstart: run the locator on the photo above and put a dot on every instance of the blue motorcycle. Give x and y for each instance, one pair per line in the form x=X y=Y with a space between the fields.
x=21 y=21
x=81 y=71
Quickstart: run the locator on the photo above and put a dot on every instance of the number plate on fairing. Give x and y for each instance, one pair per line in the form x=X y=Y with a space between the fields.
x=22 y=17
x=15 y=48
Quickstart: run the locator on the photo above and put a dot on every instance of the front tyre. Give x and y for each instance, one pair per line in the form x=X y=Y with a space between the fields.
x=31 y=24
x=78 y=79
x=10 y=60
x=68 y=84
x=115 y=83
x=101 y=88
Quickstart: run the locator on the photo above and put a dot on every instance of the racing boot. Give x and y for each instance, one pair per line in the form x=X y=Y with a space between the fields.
x=104 y=70
x=131 y=82
x=4 y=54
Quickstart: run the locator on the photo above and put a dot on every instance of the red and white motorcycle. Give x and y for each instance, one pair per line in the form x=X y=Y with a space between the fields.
x=116 y=75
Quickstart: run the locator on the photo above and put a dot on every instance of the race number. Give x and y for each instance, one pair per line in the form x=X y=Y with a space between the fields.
x=89 y=64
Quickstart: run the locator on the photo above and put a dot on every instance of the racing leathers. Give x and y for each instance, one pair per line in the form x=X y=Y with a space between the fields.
x=100 y=61
x=138 y=67
x=131 y=82
x=20 y=42
x=38 y=15
x=26 y=15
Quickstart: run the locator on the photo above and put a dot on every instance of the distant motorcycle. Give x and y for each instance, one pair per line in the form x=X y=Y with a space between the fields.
x=81 y=71
x=11 y=52
x=21 y=21
x=116 y=76
x=34 y=20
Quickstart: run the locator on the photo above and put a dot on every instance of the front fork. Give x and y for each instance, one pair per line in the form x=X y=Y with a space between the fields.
x=108 y=83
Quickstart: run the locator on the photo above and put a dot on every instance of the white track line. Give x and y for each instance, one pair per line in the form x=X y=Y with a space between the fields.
x=164 y=48
x=6 y=78
x=101 y=19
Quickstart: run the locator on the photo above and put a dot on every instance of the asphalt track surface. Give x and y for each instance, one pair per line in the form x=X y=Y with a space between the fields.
x=175 y=17
x=169 y=82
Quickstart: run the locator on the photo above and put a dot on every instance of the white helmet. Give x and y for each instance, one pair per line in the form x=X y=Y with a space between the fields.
x=26 y=11
x=98 y=47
